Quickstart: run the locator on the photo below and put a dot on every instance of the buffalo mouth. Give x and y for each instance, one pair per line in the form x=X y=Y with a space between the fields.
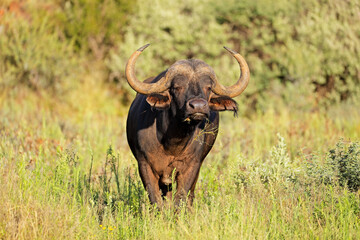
x=196 y=117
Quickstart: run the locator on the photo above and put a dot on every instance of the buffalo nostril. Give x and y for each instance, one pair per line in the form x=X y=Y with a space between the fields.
x=197 y=103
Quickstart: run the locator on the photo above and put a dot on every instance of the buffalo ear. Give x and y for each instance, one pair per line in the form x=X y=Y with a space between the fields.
x=159 y=101
x=223 y=103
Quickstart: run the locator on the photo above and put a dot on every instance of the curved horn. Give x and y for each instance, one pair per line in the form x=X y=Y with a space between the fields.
x=141 y=87
x=242 y=82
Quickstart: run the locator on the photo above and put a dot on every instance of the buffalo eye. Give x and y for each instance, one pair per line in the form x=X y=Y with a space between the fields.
x=207 y=89
x=177 y=89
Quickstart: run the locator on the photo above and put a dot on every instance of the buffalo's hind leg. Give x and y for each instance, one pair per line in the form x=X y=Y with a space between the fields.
x=166 y=191
x=150 y=182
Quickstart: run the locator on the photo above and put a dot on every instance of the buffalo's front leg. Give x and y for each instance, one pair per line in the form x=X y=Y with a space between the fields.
x=192 y=190
x=150 y=182
x=186 y=184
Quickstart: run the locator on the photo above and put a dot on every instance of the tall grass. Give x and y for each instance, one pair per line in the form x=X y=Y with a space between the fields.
x=72 y=176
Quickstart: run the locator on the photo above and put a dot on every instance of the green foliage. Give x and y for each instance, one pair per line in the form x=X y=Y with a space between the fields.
x=276 y=169
x=176 y=30
x=94 y=24
x=306 y=45
x=341 y=167
x=108 y=192
x=113 y=190
x=345 y=162
x=300 y=52
x=33 y=55
x=43 y=44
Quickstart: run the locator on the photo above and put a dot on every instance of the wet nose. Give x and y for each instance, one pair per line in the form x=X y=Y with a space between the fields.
x=197 y=104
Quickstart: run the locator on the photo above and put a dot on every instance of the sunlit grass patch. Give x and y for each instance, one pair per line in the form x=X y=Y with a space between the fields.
x=63 y=174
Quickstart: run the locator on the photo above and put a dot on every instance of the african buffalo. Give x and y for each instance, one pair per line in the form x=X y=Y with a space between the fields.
x=173 y=123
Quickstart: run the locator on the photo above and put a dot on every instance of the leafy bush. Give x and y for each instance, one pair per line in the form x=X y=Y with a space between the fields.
x=277 y=169
x=305 y=45
x=345 y=163
x=33 y=54
x=341 y=167
x=294 y=48
x=94 y=24
x=176 y=30
x=43 y=43
x=300 y=52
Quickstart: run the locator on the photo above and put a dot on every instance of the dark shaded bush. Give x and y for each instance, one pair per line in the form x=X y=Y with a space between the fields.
x=341 y=167
x=345 y=163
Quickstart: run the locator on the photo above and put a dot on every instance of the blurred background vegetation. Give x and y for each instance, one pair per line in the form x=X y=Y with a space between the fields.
x=66 y=171
x=302 y=53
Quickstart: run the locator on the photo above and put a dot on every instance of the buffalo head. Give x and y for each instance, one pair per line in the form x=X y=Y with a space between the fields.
x=189 y=88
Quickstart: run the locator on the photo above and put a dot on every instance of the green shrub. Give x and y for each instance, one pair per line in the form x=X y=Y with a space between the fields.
x=345 y=163
x=277 y=169
x=33 y=54
x=94 y=25
x=176 y=30
x=300 y=52
x=307 y=46
x=44 y=46
x=341 y=167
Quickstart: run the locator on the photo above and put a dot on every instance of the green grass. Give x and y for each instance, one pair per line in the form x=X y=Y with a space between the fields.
x=67 y=173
